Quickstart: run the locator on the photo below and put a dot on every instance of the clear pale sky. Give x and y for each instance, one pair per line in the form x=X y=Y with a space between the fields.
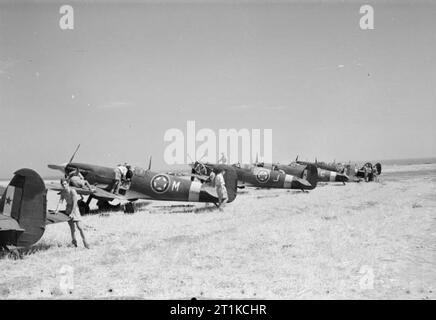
x=128 y=72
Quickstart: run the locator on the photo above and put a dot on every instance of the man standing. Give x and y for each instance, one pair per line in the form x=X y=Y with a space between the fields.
x=120 y=174
x=220 y=186
x=70 y=196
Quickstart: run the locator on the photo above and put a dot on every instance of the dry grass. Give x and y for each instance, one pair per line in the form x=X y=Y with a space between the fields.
x=269 y=244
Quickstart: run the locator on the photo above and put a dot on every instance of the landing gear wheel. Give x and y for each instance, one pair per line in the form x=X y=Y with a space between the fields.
x=83 y=207
x=129 y=208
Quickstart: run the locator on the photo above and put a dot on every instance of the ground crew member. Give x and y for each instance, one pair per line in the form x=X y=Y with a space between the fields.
x=120 y=173
x=374 y=173
x=211 y=179
x=76 y=179
x=72 y=210
x=220 y=186
x=368 y=172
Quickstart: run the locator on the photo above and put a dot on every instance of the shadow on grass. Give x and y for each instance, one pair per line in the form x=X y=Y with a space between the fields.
x=35 y=249
x=116 y=208
x=271 y=196
x=20 y=253
x=171 y=209
x=205 y=209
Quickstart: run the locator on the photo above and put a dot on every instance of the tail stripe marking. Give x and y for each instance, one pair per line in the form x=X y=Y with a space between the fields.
x=194 y=191
x=288 y=181
x=333 y=176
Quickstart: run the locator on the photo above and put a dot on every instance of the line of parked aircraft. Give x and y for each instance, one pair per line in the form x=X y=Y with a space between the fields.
x=23 y=205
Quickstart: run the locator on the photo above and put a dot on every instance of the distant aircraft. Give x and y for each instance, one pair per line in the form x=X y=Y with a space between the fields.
x=326 y=172
x=308 y=172
x=368 y=172
x=23 y=210
x=255 y=176
x=145 y=184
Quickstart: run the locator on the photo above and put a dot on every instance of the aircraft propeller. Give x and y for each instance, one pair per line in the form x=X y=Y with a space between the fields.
x=74 y=154
x=62 y=167
x=149 y=164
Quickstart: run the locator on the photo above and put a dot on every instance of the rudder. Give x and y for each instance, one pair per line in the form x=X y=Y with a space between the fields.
x=25 y=200
x=231 y=179
x=311 y=174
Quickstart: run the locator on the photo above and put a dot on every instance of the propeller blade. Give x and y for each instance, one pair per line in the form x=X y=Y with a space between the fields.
x=149 y=163
x=74 y=154
x=204 y=154
x=190 y=158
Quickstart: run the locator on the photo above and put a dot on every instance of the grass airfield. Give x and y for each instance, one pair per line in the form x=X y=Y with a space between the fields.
x=358 y=241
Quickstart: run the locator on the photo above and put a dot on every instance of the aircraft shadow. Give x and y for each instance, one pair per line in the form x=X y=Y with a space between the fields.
x=117 y=208
x=205 y=209
x=263 y=197
x=20 y=253
x=171 y=209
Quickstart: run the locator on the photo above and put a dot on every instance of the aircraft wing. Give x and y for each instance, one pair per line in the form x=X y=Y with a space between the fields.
x=7 y=224
x=56 y=217
x=97 y=193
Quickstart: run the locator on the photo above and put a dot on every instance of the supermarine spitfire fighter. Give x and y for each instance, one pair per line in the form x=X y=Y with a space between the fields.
x=256 y=176
x=146 y=184
x=326 y=173
x=368 y=172
x=307 y=172
x=23 y=210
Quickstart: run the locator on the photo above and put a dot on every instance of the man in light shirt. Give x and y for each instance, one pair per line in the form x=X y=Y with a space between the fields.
x=220 y=186
x=120 y=174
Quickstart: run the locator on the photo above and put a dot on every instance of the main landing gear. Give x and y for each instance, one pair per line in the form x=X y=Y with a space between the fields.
x=129 y=207
x=84 y=206
x=104 y=205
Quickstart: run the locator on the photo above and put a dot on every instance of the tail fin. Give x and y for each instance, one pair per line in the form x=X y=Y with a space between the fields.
x=24 y=200
x=231 y=179
x=378 y=167
x=311 y=174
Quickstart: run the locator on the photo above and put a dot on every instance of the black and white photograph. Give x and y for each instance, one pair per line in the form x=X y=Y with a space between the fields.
x=217 y=150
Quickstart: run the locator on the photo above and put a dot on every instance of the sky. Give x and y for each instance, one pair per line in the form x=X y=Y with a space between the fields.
x=129 y=72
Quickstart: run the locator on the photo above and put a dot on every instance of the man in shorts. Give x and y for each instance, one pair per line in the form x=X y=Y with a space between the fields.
x=72 y=209
x=220 y=186
x=120 y=174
